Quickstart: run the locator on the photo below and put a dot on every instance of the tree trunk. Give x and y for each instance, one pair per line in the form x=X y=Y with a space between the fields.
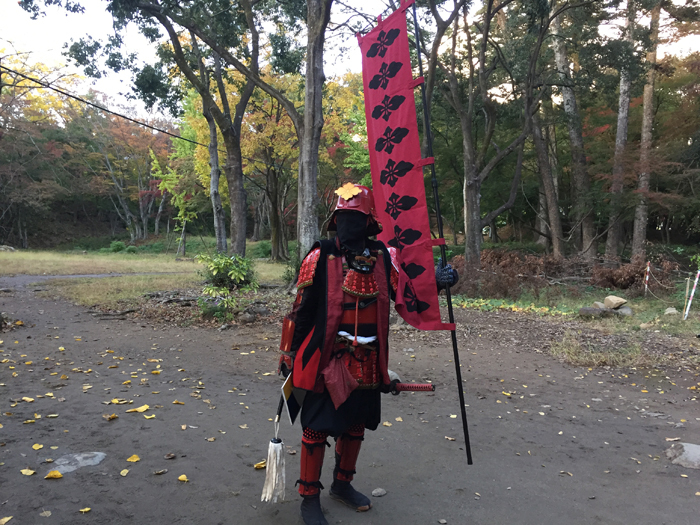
x=581 y=204
x=641 y=212
x=318 y=15
x=612 y=243
x=182 y=247
x=541 y=219
x=161 y=206
x=276 y=236
x=549 y=189
x=472 y=218
x=215 y=176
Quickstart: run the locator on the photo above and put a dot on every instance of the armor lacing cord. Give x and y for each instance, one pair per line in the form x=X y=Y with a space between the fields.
x=357 y=317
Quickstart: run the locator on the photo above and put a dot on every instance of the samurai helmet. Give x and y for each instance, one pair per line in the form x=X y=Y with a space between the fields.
x=353 y=197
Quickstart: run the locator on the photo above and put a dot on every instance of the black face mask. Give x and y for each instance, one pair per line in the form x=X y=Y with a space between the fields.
x=352 y=231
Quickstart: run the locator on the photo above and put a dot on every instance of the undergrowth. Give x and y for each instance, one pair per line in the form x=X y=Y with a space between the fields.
x=571 y=350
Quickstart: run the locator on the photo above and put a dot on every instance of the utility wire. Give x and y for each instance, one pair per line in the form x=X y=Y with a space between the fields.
x=101 y=108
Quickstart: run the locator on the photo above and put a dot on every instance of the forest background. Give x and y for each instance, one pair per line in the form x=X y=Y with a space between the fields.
x=557 y=126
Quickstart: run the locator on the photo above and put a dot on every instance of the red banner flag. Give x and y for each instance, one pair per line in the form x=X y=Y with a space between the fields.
x=397 y=167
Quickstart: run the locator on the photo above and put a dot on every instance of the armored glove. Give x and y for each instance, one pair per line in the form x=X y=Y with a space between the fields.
x=445 y=275
x=285 y=364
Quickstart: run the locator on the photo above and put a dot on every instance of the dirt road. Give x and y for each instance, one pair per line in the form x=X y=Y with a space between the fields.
x=551 y=443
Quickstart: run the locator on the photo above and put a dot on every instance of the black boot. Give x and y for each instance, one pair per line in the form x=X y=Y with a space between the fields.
x=311 y=511
x=344 y=492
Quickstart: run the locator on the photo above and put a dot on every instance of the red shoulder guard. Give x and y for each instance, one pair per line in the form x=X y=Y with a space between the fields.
x=308 y=269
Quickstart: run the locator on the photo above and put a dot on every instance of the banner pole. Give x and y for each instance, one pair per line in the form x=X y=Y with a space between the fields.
x=443 y=250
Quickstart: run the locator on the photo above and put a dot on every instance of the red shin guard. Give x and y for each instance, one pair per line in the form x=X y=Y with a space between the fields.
x=312 y=452
x=347 y=449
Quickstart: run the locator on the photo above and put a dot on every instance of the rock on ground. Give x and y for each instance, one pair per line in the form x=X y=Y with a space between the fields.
x=684 y=454
x=613 y=301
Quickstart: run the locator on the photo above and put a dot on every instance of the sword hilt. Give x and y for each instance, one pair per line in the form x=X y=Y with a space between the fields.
x=414 y=387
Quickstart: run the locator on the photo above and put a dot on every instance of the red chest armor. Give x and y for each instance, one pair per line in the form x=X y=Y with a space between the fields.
x=360 y=360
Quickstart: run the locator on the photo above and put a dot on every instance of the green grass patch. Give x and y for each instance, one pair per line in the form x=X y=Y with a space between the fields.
x=571 y=350
x=113 y=291
x=31 y=262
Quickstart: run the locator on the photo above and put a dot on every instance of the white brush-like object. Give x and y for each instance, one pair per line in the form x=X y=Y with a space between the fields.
x=273 y=489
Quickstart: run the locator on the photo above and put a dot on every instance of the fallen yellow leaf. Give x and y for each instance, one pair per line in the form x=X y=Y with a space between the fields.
x=52 y=416
x=448 y=438
x=142 y=408
x=28 y=399
x=155 y=372
x=150 y=417
x=673 y=439
x=133 y=459
x=5 y=520
x=453 y=416
x=64 y=376
x=54 y=474
x=183 y=478
x=260 y=465
x=27 y=471
x=184 y=427
x=212 y=439
x=28 y=362
x=386 y=424
x=85 y=510
x=127 y=382
x=110 y=417
x=37 y=446
x=399 y=419
x=245 y=426
x=176 y=402
x=29 y=421
x=124 y=472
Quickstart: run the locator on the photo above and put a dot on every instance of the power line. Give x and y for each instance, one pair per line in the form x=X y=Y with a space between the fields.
x=101 y=108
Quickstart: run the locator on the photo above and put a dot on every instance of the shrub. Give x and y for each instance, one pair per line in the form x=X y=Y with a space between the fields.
x=117 y=246
x=131 y=249
x=291 y=269
x=224 y=272
x=261 y=250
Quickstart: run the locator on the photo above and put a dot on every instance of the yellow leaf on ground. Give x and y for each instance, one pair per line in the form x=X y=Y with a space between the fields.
x=28 y=362
x=184 y=427
x=124 y=472
x=260 y=465
x=386 y=424
x=54 y=474
x=448 y=438
x=245 y=426
x=133 y=459
x=127 y=382
x=183 y=478
x=0 y=425
x=150 y=417
x=64 y=376
x=142 y=408
x=61 y=348
x=673 y=439
x=399 y=419
x=176 y=402
x=28 y=399
x=27 y=471
x=453 y=416
x=52 y=416
x=19 y=323
x=155 y=372
x=110 y=417
x=29 y=421
x=5 y=520
x=37 y=446
x=212 y=439
x=85 y=510
x=267 y=374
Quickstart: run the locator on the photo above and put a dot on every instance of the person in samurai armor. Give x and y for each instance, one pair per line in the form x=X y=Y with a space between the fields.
x=335 y=345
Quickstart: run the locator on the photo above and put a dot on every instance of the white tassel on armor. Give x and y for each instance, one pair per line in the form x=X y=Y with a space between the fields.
x=275 y=475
